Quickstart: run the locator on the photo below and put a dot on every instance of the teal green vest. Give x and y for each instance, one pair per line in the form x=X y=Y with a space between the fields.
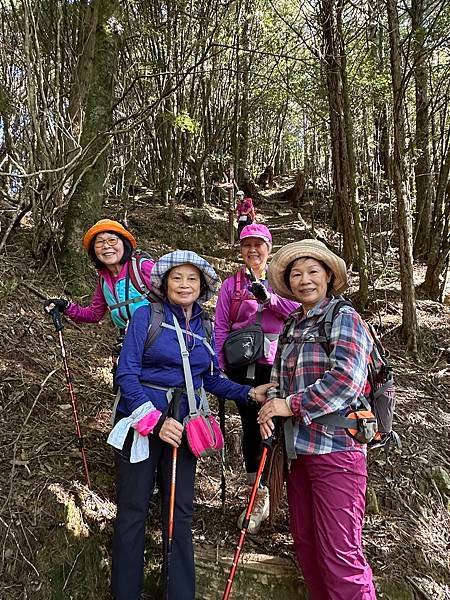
x=123 y=301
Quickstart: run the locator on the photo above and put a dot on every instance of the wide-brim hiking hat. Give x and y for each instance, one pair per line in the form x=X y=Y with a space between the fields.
x=105 y=225
x=305 y=249
x=183 y=257
x=257 y=230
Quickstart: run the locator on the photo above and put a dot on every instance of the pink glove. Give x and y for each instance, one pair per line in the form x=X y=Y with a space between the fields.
x=147 y=424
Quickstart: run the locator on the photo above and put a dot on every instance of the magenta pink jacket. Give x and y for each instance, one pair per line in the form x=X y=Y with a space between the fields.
x=273 y=316
x=98 y=306
x=246 y=208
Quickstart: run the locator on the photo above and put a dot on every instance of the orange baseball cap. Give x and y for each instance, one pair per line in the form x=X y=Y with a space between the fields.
x=107 y=225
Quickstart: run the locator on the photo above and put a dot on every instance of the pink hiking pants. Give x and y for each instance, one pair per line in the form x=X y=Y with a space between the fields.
x=326 y=495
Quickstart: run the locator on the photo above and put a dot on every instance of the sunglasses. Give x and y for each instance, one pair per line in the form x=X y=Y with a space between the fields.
x=111 y=241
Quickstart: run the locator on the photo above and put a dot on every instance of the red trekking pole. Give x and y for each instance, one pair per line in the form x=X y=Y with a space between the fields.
x=267 y=444
x=173 y=482
x=56 y=317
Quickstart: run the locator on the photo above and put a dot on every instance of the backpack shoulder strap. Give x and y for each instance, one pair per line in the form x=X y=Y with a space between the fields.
x=136 y=276
x=157 y=319
x=207 y=326
x=238 y=278
x=326 y=323
x=283 y=339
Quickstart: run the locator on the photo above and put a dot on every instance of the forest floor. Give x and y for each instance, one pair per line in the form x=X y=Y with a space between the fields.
x=55 y=535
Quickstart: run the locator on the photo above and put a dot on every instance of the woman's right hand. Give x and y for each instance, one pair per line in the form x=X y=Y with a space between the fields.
x=60 y=304
x=171 y=432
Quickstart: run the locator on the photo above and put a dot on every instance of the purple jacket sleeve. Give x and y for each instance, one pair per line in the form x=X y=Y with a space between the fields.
x=281 y=306
x=89 y=314
x=222 y=325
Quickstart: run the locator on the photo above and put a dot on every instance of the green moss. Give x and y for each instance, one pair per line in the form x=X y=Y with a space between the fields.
x=372 y=507
x=7 y=288
x=394 y=590
x=75 y=567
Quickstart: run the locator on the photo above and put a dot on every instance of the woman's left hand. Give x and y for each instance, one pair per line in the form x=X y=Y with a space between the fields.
x=276 y=407
x=266 y=429
x=261 y=391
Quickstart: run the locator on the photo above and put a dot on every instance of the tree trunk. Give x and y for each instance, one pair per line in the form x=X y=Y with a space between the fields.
x=341 y=171
x=363 y=292
x=422 y=167
x=244 y=99
x=86 y=202
x=440 y=239
x=87 y=24
x=380 y=120
x=400 y=180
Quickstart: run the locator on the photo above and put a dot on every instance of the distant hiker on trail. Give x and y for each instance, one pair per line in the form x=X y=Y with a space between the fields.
x=123 y=277
x=246 y=299
x=166 y=364
x=245 y=211
x=326 y=482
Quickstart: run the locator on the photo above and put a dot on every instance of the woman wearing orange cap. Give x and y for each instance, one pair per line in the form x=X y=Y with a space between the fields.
x=124 y=277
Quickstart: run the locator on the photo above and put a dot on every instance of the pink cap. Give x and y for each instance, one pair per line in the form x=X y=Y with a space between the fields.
x=256 y=230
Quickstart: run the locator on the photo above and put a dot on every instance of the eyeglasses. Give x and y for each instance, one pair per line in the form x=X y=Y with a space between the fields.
x=111 y=241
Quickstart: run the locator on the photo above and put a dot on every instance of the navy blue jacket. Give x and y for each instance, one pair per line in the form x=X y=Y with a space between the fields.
x=161 y=363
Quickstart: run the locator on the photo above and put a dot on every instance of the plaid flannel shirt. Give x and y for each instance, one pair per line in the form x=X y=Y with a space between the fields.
x=315 y=384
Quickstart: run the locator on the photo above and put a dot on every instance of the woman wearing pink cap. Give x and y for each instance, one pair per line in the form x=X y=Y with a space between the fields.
x=245 y=211
x=246 y=298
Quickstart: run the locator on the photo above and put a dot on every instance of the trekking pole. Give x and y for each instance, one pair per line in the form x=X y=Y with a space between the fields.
x=173 y=482
x=223 y=484
x=56 y=317
x=267 y=444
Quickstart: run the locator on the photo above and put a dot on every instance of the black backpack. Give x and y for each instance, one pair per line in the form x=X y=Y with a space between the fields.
x=372 y=425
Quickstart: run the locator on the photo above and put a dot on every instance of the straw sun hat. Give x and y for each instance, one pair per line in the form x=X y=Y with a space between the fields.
x=305 y=248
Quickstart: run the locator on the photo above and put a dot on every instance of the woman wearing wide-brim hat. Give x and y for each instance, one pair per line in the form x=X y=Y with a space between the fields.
x=149 y=374
x=327 y=478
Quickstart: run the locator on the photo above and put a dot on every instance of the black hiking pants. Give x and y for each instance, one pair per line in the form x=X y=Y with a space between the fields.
x=242 y=224
x=134 y=487
x=251 y=437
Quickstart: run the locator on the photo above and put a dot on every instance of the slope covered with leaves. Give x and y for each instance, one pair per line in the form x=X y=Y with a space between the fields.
x=55 y=535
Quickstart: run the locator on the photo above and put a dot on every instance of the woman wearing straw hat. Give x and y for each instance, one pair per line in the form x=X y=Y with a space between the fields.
x=244 y=299
x=327 y=478
x=144 y=434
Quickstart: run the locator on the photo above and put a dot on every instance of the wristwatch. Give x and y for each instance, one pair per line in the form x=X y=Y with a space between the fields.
x=252 y=394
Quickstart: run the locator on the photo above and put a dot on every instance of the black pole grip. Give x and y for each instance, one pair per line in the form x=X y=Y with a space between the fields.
x=275 y=432
x=252 y=276
x=56 y=317
x=176 y=402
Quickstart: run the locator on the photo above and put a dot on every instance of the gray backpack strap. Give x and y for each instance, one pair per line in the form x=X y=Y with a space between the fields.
x=259 y=313
x=326 y=321
x=187 y=369
x=115 y=405
x=157 y=318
